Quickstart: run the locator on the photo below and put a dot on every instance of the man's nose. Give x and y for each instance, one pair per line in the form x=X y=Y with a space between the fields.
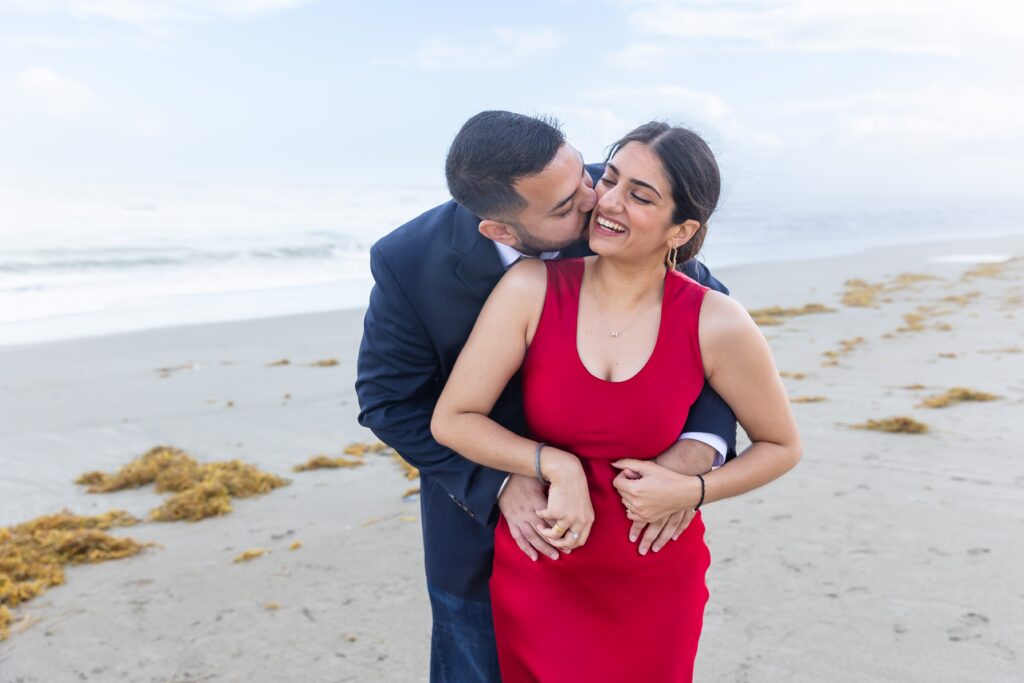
x=588 y=201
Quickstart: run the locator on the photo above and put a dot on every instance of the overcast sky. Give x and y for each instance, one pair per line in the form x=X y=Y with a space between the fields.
x=837 y=97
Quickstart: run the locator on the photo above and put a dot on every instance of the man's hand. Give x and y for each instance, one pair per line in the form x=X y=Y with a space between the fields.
x=519 y=503
x=687 y=456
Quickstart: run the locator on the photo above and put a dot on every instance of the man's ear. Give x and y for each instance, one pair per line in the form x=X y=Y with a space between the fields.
x=499 y=232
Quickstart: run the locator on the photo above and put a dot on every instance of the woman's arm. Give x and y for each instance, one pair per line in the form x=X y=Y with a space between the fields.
x=492 y=355
x=739 y=366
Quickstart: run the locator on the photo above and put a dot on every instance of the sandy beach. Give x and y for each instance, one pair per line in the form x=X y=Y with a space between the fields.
x=881 y=557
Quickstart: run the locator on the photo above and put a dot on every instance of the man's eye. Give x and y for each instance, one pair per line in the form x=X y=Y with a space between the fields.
x=563 y=215
x=607 y=181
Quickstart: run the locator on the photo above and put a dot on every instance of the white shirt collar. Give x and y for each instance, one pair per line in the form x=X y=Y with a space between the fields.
x=508 y=255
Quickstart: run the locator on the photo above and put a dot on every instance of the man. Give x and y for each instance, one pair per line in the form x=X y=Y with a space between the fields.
x=519 y=191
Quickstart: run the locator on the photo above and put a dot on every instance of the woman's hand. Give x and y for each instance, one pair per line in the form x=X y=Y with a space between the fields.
x=569 y=512
x=658 y=493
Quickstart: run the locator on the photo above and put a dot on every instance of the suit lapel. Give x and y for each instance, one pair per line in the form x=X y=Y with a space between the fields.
x=479 y=267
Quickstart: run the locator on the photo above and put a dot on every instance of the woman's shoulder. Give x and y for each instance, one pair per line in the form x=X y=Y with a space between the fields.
x=526 y=279
x=722 y=317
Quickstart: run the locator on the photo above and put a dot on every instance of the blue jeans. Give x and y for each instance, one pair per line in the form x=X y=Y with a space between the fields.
x=462 y=647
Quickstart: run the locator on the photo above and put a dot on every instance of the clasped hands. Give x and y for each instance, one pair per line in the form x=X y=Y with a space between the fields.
x=652 y=493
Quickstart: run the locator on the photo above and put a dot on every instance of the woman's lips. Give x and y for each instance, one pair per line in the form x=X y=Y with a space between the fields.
x=608 y=227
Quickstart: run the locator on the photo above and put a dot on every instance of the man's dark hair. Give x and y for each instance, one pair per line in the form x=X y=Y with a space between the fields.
x=691 y=169
x=492 y=151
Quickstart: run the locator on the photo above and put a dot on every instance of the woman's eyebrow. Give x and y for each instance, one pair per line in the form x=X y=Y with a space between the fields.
x=635 y=181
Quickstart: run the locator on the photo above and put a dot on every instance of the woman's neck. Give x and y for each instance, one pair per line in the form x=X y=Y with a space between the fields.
x=623 y=285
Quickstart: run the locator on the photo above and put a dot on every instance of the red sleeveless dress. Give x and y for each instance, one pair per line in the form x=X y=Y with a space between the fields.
x=605 y=613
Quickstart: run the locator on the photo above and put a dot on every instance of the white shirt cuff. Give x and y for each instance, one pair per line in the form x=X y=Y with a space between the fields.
x=713 y=440
x=505 y=483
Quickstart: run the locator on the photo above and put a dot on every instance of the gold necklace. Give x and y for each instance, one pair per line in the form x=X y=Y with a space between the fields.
x=617 y=333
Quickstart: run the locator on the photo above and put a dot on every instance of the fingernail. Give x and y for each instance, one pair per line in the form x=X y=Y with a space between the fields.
x=657 y=548
x=555 y=556
x=632 y=538
x=643 y=551
x=676 y=537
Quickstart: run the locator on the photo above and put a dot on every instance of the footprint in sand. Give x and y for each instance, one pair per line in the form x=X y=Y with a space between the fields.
x=970 y=627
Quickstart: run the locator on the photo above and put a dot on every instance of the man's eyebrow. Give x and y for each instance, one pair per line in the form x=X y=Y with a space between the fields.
x=568 y=199
x=641 y=183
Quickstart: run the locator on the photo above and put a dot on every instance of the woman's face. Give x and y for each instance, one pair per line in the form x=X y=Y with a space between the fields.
x=634 y=209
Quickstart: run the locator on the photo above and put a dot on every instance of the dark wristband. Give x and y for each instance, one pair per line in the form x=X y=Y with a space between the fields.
x=701 y=501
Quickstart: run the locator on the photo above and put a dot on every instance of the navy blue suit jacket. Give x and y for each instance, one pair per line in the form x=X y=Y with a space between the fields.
x=431 y=278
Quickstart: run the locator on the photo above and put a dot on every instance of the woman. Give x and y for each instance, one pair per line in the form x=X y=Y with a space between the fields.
x=614 y=349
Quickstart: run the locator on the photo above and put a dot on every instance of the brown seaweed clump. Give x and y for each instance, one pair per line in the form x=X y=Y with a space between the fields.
x=202 y=489
x=325 y=462
x=895 y=425
x=985 y=270
x=250 y=554
x=33 y=554
x=410 y=471
x=846 y=346
x=325 y=363
x=793 y=375
x=414 y=491
x=857 y=292
x=956 y=395
x=5 y=622
x=807 y=399
x=171 y=469
x=776 y=315
x=206 y=499
x=279 y=363
x=361 y=449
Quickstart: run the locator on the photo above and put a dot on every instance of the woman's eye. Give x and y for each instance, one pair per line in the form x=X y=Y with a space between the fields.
x=606 y=180
x=640 y=199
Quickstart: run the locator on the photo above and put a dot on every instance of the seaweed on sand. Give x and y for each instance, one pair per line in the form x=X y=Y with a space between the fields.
x=202 y=489
x=956 y=395
x=776 y=315
x=33 y=554
x=318 y=462
x=895 y=425
x=250 y=554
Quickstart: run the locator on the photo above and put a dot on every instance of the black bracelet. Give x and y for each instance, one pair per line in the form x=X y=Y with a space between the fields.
x=536 y=462
x=701 y=501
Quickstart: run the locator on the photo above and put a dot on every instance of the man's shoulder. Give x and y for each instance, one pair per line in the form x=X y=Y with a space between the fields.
x=415 y=235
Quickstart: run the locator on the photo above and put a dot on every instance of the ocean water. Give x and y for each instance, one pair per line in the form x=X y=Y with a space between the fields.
x=98 y=258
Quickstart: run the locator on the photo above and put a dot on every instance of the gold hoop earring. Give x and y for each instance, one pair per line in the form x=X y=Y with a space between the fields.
x=670 y=258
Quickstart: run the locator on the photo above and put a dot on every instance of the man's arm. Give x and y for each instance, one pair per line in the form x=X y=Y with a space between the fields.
x=709 y=413
x=398 y=383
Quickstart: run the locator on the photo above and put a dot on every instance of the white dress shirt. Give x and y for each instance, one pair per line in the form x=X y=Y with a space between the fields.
x=508 y=257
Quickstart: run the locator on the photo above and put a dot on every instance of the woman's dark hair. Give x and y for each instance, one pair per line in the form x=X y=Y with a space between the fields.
x=691 y=169
x=491 y=152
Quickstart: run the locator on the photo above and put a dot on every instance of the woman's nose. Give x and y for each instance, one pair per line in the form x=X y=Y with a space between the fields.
x=610 y=201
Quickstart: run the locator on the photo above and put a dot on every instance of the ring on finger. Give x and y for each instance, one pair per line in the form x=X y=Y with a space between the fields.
x=559 y=529
x=575 y=536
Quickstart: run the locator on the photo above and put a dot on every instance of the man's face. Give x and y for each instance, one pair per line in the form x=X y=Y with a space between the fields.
x=559 y=199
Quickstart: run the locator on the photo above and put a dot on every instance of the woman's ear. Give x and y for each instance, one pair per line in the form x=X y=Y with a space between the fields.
x=499 y=232
x=684 y=232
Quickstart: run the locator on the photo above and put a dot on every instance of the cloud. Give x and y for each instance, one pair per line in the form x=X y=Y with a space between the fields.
x=681 y=105
x=507 y=47
x=54 y=94
x=951 y=27
x=152 y=11
x=931 y=115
